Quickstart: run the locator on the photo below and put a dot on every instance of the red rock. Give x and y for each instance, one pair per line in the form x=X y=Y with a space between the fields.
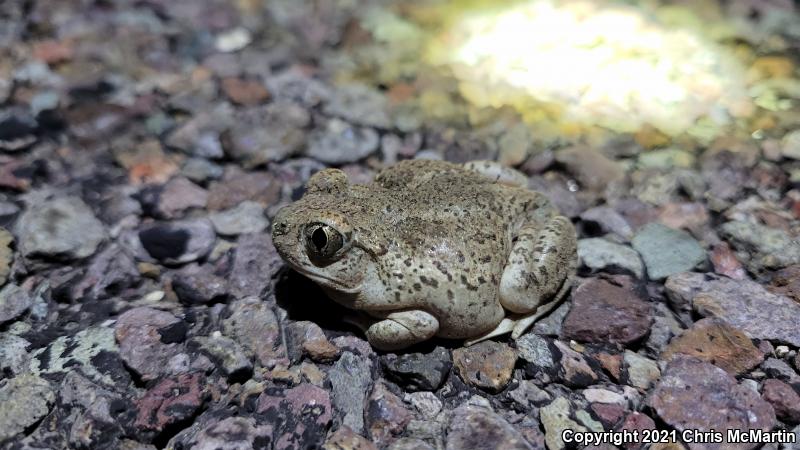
x=170 y=401
x=52 y=51
x=244 y=92
x=637 y=421
x=787 y=282
x=607 y=310
x=725 y=262
x=238 y=186
x=783 y=398
x=695 y=395
x=611 y=363
x=717 y=342
x=609 y=414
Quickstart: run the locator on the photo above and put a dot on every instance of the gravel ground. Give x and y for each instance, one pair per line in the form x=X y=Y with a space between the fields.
x=145 y=146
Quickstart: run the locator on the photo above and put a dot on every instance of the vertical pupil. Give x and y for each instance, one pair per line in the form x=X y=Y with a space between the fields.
x=319 y=238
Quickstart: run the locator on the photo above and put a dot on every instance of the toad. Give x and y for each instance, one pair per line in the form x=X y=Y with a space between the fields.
x=431 y=248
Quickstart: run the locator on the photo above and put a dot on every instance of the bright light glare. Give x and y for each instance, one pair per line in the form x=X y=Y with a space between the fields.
x=601 y=64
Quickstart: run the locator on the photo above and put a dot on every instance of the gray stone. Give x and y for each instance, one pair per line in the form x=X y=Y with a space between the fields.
x=92 y=351
x=535 y=349
x=178 y=196
x=339 y=143
x=665 y=326
x=200 y=170
x=23 y=401
x=351 y=380
x=199 y=136
x=744 y=304
x=760 y=247
x=254 y=265
x=199 y=284
x=550 y=325
x=475 y=427
x=226 y=354
x=14 y=301
x=778 y=368
x=272 y=133
x=178 y=242
x=247 y=217
x=642 y=372
x=14 y=356
x=555 y=419
x=148 y=340
x=528 y=395
x=63 y=227
x=426 y=403
x=598 y=254
x=609 y=220
x=235 y=433
x=359 y=104
x=666 y=251
x=255 y=327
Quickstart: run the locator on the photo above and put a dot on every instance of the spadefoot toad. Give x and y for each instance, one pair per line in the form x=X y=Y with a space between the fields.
x=431 y=248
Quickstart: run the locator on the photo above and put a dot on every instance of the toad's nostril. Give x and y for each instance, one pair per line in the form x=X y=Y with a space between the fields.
x=279 y=228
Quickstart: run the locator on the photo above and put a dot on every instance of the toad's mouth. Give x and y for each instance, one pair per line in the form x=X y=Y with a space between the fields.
x=327 y=282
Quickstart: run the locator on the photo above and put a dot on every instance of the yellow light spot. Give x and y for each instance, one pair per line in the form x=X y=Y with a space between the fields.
x=593 y=63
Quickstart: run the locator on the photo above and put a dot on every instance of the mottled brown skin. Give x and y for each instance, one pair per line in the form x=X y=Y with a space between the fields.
x=427 y=247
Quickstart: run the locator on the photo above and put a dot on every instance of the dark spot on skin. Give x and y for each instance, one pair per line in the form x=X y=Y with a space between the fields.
x=417 y=287
x=450 y=294
x=429 y=281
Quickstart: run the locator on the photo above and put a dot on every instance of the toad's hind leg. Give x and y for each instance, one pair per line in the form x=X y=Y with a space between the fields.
x=402 y=329
x=539 y=270
x=517 y=324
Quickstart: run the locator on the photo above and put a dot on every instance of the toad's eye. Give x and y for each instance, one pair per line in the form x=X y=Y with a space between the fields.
x=323 y=241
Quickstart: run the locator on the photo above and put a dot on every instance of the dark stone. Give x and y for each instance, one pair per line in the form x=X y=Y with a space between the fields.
x=418 y=371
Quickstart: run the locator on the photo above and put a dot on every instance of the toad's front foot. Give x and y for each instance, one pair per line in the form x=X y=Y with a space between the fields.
x=402 y=329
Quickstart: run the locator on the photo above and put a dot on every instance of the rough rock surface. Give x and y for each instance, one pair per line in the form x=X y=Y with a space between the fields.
x=470 y=426
x=147 y=146
x=746 y=305
x=25 y=399
x=488 y=365
x=607 y=311
x=693 y=394
x=63 y=227
x=715 y=341
x=667 y=251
